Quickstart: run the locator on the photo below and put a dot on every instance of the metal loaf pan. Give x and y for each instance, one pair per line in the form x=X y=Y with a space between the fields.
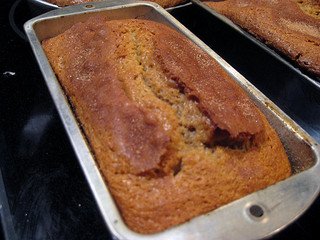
x=313 y=80
x=280 y=204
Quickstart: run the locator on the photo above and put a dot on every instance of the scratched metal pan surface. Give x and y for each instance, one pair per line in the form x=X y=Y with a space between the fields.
x=313 y=80
x=255 y=216
x=43 y=5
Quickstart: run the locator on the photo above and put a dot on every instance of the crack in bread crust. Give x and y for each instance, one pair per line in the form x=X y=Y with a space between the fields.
x=186 y=126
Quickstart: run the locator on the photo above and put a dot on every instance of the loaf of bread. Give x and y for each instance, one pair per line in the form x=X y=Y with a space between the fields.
x=290 y=26
x=163 y=3
x=174 y=136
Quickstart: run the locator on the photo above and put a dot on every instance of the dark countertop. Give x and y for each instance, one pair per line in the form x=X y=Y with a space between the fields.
x=44 y=194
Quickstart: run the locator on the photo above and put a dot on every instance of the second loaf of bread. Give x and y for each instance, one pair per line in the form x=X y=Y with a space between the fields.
x=174 y=136
x=290 y=26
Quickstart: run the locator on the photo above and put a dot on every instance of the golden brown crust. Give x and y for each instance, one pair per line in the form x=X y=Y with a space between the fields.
x=292 y=27
x=108 y=66
x=163 y=3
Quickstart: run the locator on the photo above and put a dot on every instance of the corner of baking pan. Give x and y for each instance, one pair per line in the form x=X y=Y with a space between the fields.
x=304 y=187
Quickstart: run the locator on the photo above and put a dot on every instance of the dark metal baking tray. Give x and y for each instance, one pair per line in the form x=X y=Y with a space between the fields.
x=313 y=80
x=281 y=203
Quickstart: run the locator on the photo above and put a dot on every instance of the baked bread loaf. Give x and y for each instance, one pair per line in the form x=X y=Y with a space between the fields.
x=163 y=3
x=174 y=136
x=290 y=26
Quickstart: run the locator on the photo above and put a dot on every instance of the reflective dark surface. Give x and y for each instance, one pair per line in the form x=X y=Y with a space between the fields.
x=44 y=193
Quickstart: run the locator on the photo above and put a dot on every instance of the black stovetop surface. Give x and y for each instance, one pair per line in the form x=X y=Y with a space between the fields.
x=43 y=192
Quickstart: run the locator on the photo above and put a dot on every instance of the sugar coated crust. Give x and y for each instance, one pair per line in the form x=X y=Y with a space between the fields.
x=173 y=135
x=290 y=26
x=163 y=3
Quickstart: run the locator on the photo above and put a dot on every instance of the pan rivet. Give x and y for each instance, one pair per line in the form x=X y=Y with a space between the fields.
x=88 y=6
x=256 y=211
